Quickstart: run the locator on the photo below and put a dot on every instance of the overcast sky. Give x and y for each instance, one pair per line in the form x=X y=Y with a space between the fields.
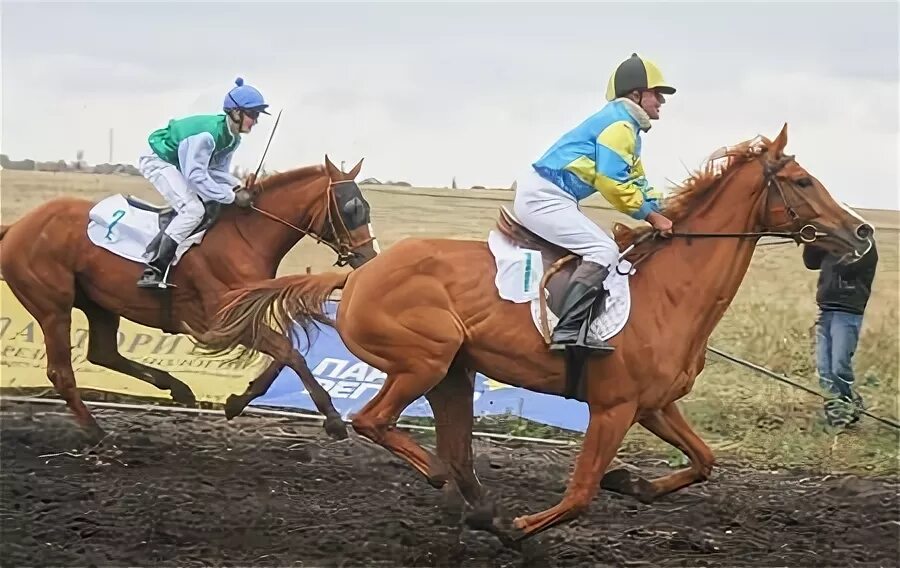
x=428 y=91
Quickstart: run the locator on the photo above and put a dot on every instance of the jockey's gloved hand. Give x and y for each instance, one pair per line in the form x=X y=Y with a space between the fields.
x=242 y=198
x=660 y=223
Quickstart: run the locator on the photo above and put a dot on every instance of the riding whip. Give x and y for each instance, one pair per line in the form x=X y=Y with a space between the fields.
x=266 y=151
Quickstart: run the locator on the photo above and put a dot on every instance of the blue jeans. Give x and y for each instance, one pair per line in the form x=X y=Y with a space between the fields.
x=837 y=334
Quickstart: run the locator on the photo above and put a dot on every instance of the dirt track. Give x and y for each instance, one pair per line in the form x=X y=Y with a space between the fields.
x=194 y=490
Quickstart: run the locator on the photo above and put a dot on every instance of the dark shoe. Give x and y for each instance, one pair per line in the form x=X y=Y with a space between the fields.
x=842 y=411
x=158 y=266
x=584 y=300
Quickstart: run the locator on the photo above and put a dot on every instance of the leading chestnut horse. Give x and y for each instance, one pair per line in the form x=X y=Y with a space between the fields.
x=51 y=266
x=428 y=314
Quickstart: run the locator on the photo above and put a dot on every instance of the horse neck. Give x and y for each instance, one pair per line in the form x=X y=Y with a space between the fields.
x=300 y=203
x=691 y=283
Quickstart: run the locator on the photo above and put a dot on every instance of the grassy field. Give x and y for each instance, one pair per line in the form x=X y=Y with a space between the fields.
x=770 y=323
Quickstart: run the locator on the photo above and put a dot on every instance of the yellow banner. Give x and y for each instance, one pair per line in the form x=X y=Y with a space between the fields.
x=24 y=360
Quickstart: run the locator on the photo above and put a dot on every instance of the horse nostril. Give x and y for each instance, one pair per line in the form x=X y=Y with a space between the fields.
x=864 y=231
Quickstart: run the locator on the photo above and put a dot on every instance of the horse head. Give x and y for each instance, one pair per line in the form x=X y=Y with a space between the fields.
x=322 y=202
x=754 y=189
x=796 y=201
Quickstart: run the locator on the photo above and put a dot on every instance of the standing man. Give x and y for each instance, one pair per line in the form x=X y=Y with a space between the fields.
x=842 y=295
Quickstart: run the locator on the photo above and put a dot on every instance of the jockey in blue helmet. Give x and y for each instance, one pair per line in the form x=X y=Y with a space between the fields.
x=189 y=163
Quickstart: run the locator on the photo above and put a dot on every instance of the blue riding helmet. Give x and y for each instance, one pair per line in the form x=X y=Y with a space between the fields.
x=244 y=97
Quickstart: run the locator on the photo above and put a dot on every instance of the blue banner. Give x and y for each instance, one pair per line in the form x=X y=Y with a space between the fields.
x=352 y=383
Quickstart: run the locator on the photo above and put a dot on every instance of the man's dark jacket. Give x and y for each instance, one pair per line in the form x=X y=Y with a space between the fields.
x=842 y=288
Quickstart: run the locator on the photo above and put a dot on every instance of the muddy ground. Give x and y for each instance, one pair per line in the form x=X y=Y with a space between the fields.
x=191 y=490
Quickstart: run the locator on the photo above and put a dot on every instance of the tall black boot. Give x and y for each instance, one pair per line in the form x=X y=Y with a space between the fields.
x=584 y=300
x=157 y=266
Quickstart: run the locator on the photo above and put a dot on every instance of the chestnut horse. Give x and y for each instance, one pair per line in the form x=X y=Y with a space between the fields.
x=427 y=312
x=52 y=266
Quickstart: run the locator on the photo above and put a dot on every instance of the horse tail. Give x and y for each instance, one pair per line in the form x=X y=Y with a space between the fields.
x=278 y=303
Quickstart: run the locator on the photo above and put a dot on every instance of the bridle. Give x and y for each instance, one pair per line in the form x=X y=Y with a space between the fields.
x=806 y=234
x=344 y=248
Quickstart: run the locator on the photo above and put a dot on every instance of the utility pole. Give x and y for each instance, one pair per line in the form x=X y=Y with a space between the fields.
x=110 y=145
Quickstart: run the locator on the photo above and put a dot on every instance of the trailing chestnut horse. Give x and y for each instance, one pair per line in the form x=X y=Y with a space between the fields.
x=427 y=312
x=51 y=266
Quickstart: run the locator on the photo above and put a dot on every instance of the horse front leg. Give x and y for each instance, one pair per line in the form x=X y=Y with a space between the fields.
x=669 y=425
x=283 y=352
x=605 y=432
x=236 y=403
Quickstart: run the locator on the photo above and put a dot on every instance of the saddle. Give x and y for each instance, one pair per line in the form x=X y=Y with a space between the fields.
x=166 y=214
x=559 y=265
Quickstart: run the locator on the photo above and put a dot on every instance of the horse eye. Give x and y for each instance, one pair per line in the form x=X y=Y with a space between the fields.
x=804 y=182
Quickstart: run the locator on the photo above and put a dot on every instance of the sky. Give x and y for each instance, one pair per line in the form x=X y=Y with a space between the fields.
x=426 y=92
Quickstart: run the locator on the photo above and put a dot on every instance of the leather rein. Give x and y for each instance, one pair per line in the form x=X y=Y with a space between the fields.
x=806 y=234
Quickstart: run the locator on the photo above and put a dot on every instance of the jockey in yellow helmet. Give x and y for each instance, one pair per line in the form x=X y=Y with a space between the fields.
x=600 y=155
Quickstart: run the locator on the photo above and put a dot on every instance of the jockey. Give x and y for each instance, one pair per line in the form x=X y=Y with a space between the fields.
x=189 y=163
x=602 y=154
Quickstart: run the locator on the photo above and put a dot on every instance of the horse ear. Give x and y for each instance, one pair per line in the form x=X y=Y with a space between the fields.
x=355 y=171
x=333 y=172
x=780 y=142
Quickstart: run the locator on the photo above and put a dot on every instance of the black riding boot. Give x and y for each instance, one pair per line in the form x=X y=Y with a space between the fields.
x=583 y=302
x=159 y=264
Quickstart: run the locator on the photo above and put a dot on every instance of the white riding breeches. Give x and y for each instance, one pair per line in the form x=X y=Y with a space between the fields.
x=176 y=190
x=553 y=214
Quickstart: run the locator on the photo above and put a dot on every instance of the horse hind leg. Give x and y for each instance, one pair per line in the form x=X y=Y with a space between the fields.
x=377 y=422
x=451 y=404
x=103 y=350
x=57 y=332
x=419 y=371
x=52 y=309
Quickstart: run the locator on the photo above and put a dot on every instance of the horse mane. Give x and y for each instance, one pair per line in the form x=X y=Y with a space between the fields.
x=701 y=182
x=269 y=181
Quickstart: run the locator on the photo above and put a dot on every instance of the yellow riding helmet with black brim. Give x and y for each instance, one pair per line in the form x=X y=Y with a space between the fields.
x=636 y=73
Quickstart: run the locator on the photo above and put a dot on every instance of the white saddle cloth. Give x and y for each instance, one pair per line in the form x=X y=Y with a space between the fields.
x=519 y=273
x=126 y=231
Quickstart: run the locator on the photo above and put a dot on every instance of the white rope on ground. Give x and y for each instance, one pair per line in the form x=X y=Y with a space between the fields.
x=269 y=412
x=783 y=378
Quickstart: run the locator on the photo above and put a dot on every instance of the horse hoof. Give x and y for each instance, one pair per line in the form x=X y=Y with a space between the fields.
x=234 y=406
x=520 y=524
x=336 y=428
x=482 y=517
x=453 y=499
x=183 y=395
x=94 y=433
x=453 y=505
x=626 y=483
